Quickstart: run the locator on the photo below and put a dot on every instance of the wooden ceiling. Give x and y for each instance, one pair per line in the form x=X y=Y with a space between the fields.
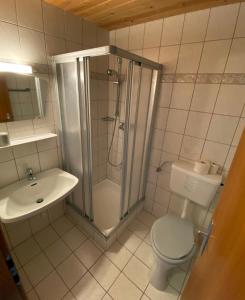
x=112 y=14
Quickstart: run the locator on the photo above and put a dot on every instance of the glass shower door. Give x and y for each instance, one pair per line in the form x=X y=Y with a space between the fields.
x=139 y=116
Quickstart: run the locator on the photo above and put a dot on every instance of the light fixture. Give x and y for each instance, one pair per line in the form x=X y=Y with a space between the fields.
x=15 y=68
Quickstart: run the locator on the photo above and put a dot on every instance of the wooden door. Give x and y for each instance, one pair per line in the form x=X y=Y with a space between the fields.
x=5 y=106
x=219 y=274
x=8 y=288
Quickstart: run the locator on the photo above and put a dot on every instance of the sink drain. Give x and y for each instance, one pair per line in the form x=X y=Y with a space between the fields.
x=40 y=200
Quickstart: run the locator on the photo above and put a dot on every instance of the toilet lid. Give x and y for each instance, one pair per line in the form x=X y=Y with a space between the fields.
x=172 y=237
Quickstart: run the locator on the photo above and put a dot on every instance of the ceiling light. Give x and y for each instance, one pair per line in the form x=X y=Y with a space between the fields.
x=15 y=68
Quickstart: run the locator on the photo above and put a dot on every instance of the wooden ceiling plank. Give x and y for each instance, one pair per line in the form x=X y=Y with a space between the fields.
x=113 y=14
x=150 y=17
x=105 y=7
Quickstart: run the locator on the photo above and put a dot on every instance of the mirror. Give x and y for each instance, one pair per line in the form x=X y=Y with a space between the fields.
x=22 y=97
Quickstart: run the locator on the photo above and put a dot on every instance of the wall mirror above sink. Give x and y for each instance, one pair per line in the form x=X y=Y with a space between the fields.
x=22 y=96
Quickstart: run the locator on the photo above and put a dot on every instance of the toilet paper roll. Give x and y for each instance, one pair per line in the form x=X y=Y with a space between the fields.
x=4 y=139
x=213 y=168
x=201 y=167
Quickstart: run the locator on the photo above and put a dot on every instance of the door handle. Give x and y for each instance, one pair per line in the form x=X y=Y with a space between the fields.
x=203 y=233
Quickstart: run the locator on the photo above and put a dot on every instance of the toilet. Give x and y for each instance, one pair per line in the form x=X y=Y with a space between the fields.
x=172 y=237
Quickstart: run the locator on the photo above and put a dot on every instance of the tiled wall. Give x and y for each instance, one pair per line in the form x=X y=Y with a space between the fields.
x=200 y=112
x=31 y=31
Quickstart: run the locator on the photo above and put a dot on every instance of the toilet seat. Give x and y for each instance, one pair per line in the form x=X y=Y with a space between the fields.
x=172 y=238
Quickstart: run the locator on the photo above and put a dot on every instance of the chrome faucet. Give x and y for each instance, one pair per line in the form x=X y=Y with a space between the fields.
x=30 y=175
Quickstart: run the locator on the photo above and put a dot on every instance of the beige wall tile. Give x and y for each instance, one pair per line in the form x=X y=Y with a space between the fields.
x=195 y=26
x=8 y=173
x=89 y=34
x=151 y=53
x=182 y=94
x=168 y=58
x=222 y=129
x=32 y=46
x=197 y=124
x=8 y=11
x=54 y=20
x=222 y=22
x=55 y=45
x=230 y=100
x=73 y=28
x=10 y=49
x=240 y=26
x=172 y=30
x=189 y=58
x=204 y=97
x=214 y=56
x=153 y=40
x=136 y=36
x=177 y=120
x=191 y=147
x=122 y=36
x=29 y=14
x=236 y=60
x=215 y=152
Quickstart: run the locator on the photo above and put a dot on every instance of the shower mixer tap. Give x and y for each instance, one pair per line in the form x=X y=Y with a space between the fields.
x=121 y=126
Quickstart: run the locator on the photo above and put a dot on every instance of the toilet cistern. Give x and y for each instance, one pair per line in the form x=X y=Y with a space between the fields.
x=172 y=237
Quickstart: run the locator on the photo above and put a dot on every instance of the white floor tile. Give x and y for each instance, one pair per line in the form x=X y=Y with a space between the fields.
x=176 y=278
x=124 y=289
x=24 y=281
x=146 y=218
x=137 y=272
x=32 y=295
x=105 y=272
x=57 y=252
x=74 y=238
x=129 y=240
x=168 y=294
x=107 y=297
x=138 y=229
x=88 y=288
x=27 y=250
x=69 y=296
x=51 y=288
x=46 y=237
x=37 y=269
x=88 y=253
x=144 y=253
x=71 y=271
x=62 y=225
x=147 y=239
x=119 y=255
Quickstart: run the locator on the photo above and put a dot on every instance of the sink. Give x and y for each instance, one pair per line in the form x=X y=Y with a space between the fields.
x=26 y=198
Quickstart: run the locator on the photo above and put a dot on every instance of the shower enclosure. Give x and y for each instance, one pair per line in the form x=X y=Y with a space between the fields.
x=107 y=100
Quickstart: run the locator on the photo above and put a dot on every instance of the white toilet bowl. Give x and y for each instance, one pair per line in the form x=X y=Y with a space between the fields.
x=173 y=244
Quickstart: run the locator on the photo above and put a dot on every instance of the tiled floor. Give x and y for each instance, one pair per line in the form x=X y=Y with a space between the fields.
x=61 y=262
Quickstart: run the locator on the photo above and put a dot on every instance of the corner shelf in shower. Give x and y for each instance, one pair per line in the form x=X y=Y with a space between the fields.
x=29 y=139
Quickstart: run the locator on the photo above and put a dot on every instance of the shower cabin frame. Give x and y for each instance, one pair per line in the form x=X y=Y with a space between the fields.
x=81 y=58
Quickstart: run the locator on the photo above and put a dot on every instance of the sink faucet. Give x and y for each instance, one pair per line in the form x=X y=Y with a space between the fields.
x=30 y=175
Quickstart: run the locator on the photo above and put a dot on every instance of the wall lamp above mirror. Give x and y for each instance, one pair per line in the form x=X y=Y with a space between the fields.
x=15 y=68
x=22 y=94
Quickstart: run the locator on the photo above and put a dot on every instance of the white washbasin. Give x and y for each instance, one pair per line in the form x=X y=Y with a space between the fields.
x=26 y=198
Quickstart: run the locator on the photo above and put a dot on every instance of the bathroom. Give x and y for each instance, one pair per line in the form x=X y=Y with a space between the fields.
x=102 y=106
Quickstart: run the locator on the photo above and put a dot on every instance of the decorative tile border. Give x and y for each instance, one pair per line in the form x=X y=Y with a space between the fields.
x=228 y=78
